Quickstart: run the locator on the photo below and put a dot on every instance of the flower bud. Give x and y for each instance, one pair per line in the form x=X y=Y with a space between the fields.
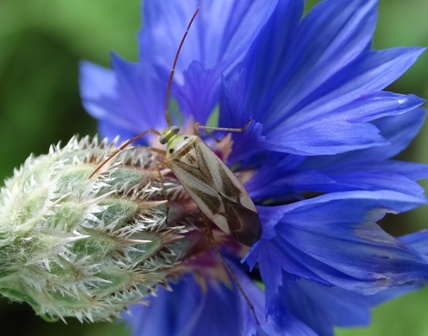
x=71 y=245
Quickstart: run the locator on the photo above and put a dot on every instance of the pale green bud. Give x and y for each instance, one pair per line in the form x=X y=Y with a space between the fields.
x=74 y=246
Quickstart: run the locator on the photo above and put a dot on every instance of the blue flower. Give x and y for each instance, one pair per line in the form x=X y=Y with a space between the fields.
x=316 y=158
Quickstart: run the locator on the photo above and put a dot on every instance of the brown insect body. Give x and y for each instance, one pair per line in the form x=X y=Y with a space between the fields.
x=214 y=188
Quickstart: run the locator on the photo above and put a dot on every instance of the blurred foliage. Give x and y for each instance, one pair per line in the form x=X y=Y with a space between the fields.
x=41 y=44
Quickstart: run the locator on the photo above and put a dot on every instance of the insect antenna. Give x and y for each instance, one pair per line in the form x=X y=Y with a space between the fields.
x=167 y=116
x=123 y=146
x=174 y=64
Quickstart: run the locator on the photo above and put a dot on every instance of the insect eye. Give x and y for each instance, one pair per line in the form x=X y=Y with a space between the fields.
x=186 y=137
x=171 y=150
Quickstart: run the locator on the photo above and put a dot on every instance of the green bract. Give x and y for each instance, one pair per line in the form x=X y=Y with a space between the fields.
x=74 y=246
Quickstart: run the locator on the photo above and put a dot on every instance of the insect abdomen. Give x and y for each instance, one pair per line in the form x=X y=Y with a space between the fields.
x=244 y=224
x=217 y=192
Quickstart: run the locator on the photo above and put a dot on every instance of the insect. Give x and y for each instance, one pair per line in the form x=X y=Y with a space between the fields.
x=209 y=182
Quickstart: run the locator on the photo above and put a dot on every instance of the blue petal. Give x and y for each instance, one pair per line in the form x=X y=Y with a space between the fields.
x=311 y=240
x=332 y=35
x=329 y=38
x=188 y=309
x=369 y=73
x=313 y=100
x=379 y=104
x=285 y=324
x=417 y=240
x=324 y=116
x=325 y=137
x=361 y=110
x=272 y=185
x=364 y=108
x=242 y=151
x=216 y=48
x=255 y=83
x=339 y=165
x=287 y=178
x=399 y=130
x=112 y=131
x=224 y=42
x=97 y=88
x=293 y=185
x=412 y=170
x=194 y=102
x=142 y=96
x=376 y=180
x=124 y=98
x=322 y=308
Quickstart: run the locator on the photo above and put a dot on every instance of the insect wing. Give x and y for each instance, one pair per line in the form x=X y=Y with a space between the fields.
x=244 y=224
x=217 y=192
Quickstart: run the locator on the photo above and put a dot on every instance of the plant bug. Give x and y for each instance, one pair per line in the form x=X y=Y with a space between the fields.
x=209 y=182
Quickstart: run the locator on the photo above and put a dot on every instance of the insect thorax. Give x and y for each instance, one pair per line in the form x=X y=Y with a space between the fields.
x=180 y=147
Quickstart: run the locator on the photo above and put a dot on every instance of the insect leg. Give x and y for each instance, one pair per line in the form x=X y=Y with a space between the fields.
x=212 y=136
x=210 y=238
x=198 y=126
x=163 y=189
x=123 y=146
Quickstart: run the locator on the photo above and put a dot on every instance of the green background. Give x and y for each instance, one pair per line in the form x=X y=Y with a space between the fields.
x=41 y=44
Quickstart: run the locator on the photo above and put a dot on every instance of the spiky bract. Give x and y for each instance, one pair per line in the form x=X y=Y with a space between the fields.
x=71 y=245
